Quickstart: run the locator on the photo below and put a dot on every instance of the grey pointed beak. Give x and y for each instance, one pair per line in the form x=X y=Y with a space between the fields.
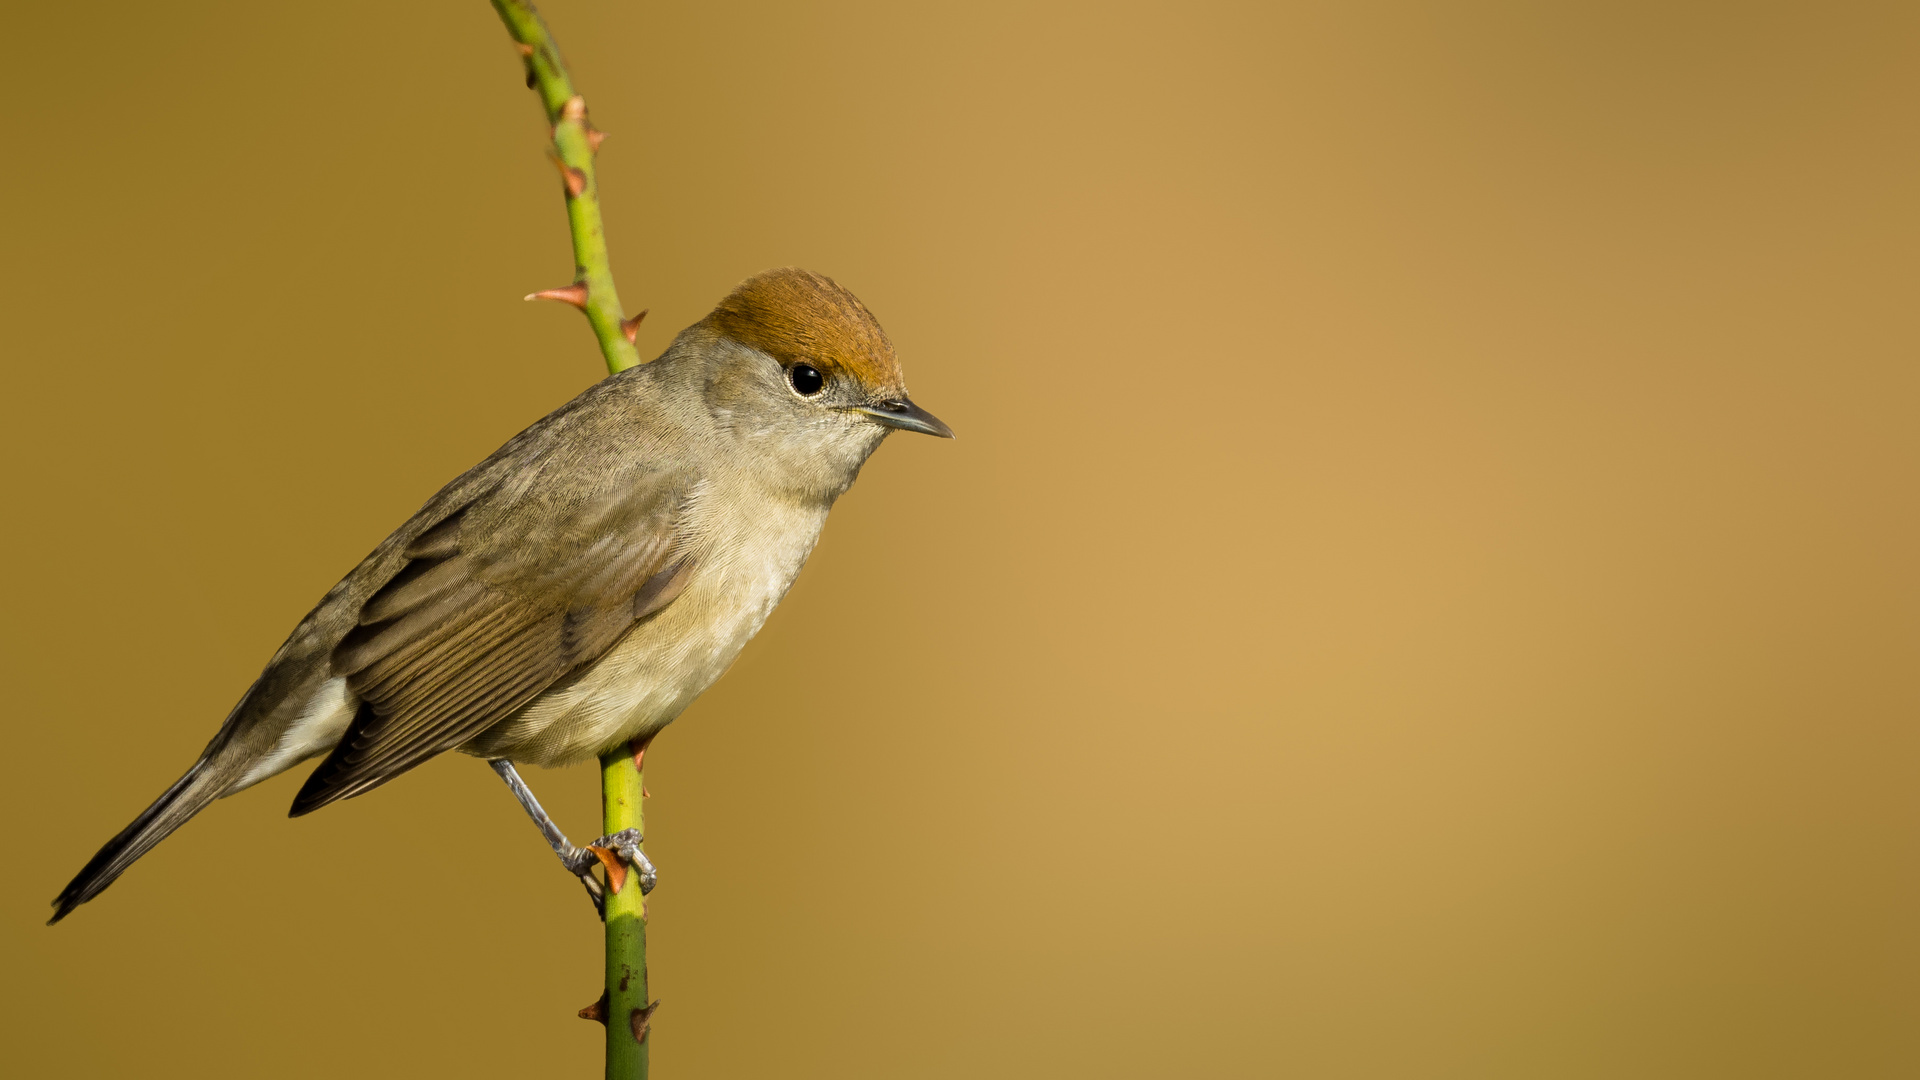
x=905 y=415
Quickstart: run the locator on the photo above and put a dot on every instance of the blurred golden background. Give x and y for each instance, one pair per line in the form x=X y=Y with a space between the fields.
x=1426 y=585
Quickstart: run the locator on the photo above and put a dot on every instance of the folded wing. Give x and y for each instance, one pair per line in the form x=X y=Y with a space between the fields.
x=503 y=598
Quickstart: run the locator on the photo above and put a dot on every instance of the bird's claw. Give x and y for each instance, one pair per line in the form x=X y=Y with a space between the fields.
x=626 y=844
x=578 y=861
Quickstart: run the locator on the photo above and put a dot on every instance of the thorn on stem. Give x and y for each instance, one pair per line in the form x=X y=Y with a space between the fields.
x=640 y=1020
x=575 y=180
x=594 y=138
x=631 y=328
x=575 y=294
x=610 y=861
x=523 y=48
x=574 y=109
x=639 y=746
x=597 y=1010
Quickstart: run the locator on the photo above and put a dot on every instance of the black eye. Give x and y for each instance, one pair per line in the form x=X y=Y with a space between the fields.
x=805 y=379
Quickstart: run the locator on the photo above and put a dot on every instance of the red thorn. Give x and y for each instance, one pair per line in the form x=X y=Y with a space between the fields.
x=575 y=180
x=574 y=109
x=594 y=138
x=644 y=793
x=639 y=746
x=595 y=1011
x=575 y=294
x=640 y=1020
x=631 y=328
x=616 y=870
x=526 y=59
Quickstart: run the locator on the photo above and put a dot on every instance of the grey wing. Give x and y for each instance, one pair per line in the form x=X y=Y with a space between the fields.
x=505 y=597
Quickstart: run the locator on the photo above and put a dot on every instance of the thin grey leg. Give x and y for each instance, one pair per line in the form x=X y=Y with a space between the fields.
x=578 y=861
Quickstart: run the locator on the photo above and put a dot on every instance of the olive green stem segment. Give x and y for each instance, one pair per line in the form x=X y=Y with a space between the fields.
x=627 y=1010
x=574 y=142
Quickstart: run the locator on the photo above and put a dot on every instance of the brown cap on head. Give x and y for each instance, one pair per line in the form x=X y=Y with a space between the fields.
x=793 y=315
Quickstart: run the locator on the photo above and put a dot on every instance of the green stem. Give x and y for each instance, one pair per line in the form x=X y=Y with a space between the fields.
x=627 y=1010
x=574 y=140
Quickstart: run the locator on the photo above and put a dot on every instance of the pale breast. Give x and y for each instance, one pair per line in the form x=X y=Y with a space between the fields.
x=747 y=561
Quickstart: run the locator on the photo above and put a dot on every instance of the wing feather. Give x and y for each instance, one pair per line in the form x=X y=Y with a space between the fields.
x=439 y=542
x=513 y=592
x=422 y=581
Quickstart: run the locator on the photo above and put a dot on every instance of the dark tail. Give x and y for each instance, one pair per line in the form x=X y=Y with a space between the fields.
x=188 y=796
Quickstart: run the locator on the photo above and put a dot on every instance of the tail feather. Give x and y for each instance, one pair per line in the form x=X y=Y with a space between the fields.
x=188 y=796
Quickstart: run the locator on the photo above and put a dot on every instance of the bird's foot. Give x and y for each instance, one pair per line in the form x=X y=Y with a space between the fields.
x=578 y=861
x=619 y=851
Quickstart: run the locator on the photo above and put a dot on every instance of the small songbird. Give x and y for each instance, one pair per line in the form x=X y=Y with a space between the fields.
x=579 y=588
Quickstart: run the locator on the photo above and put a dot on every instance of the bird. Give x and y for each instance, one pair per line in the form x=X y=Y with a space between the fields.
x=580 y=587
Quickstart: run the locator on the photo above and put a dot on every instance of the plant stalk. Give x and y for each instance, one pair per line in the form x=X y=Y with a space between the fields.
x=574 y=143
x=626 y=1009
x=628 y=1012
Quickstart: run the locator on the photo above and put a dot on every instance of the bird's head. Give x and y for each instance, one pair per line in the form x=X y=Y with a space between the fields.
x=822 y=360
